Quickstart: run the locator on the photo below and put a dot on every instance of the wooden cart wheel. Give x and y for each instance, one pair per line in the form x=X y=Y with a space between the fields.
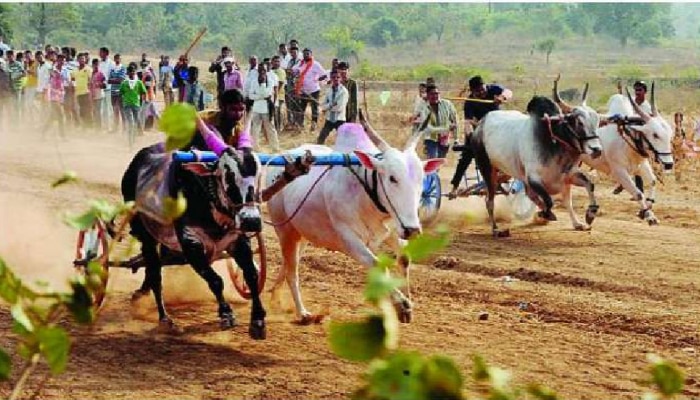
x=92 y=245
x=260 y=259
x=431 y=198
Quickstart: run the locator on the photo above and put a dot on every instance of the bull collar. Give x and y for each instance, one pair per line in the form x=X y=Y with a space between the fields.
x=373 y=190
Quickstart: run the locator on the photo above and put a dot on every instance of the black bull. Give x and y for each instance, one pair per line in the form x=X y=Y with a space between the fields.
x=196 y=230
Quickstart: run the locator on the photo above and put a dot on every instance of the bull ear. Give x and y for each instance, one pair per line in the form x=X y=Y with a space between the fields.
x=198 y=168
x=432 y=165
x=366 y=160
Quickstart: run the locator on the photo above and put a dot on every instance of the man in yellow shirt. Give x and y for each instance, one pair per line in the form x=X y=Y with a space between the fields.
x=81 y=81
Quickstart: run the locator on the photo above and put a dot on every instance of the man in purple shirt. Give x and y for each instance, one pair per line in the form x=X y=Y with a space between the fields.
x=231 y=78
x=309 y=73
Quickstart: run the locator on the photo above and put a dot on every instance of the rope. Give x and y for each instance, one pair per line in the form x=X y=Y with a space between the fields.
x=556 y=138
x=302 y=202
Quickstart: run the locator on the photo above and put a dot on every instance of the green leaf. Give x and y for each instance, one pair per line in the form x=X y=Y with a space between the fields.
x=9 y=284
x=21 y=317
x=55 y=347
x=666 y=375
x=426 y=244
x=68 y=176
x=174 y=208
x=442 y=378
x=542 y=392
x=82 y=221
x=79 y=303
x=5 y=365
x=358 y=341
x=380 y=284
x=399 y=376
x=179 y=123
x=481 y=369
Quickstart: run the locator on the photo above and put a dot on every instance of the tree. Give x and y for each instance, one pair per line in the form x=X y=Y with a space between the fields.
x=340 y=39
x=5 y=30
x=45 y=18
x=546 y=46
x=384 y=31
x=644 y=22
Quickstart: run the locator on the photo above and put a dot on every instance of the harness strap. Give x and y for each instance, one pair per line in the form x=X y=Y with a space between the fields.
x=634 y=143
x=373 y=191
x=557 y=139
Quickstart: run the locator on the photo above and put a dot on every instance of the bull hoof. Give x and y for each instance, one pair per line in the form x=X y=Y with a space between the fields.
x=652 y=221
x=168 y=326
x=227 y=321
x=591 y=213
x=582 y=227
x=405 y=316
x=310 y=319
x=498 y=233
x=547 y=215
x=257 y=330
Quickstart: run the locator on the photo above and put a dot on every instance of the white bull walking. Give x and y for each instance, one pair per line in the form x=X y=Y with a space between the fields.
x=350 y=209
x=628 y=144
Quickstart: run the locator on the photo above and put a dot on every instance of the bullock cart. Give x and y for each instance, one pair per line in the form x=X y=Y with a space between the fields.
x=94 y=244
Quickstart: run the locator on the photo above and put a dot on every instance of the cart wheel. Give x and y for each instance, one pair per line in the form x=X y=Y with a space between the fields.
x=260 y=259
x=431 y=198
x=92 y=245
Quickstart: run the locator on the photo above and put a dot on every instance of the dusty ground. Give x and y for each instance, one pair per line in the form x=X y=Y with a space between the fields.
x=597 y=302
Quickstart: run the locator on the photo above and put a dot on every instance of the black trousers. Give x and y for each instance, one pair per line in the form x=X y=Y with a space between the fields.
x=306 y=99
x=465 y=159
x=326 y=130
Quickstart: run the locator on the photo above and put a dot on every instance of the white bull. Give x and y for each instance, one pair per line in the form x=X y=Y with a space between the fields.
x=350 y=209
x=629 y=142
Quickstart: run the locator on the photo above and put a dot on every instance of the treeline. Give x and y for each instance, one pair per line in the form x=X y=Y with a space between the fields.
x=344 y=29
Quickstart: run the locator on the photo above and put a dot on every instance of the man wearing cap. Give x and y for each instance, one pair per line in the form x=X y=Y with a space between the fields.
x=218 y=68
x=482 y=100
x=309 y=73
x=350 y=84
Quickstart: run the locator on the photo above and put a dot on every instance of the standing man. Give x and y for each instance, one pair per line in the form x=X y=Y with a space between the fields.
x=56 y=91
x=489 y=98
x=166 y=80
x=105 y=104
x=284 y=55
x=98 y=82
x=132 y=92
x=260 y=92
x=351 y=85
x=280 y=92
x=16 y=71
x=43 y=70
x=116 y=76
x=437 y=123
x=218 y=68
x=335 y=106
x=81 y=82
x=309 y=73
x=250 y=77
x=291 y=99
x=231 y=77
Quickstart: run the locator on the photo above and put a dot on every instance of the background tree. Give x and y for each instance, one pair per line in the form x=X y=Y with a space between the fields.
x=342 y=41
x=44 y=18
x=5 y=30
x=624 y=21
x=546 y=46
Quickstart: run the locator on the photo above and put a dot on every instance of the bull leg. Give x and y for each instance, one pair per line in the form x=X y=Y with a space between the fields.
x=358 y=251
x=647 y=174
x=490 y=176
x=568 y=202
x=626 y=181
x=580 y=179
x=290 y=264
x=193 y=250
x=541 y=192
x=243 y=255
x=153 y=279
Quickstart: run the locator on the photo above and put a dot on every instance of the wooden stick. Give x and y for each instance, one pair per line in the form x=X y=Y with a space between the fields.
x=469 y=100
x=195 y=41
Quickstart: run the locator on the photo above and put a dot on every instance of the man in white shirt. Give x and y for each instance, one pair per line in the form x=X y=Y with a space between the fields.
x=334 y=105
x=105 y=66
x=44 y=67
x=260 y=92
x=250 y=77
x=284 y=56
x=309 y=73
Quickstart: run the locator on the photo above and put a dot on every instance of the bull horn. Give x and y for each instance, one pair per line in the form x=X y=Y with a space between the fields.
x=619 y=87
x=562 y=104
x=381 y=144
x=636 y=107
x=585 y=95
x=654 y=111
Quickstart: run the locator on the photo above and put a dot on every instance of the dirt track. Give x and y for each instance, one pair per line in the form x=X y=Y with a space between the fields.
x=595 y=302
